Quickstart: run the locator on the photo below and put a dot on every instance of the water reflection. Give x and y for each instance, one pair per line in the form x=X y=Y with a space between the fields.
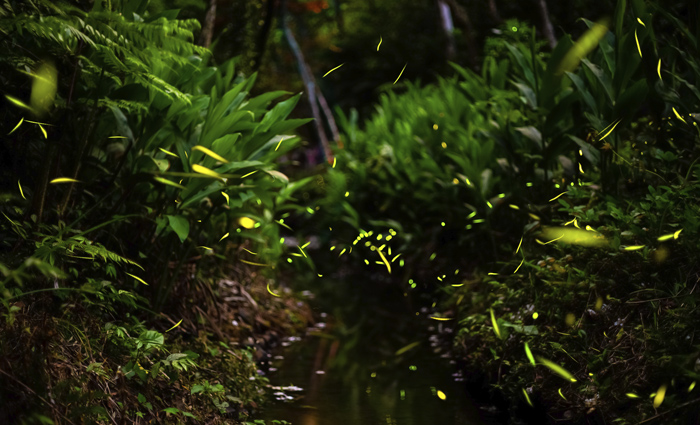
x=372 y=363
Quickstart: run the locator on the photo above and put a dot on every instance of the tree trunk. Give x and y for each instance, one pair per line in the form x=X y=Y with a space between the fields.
x=270 y=11
x=493 y=10
x=448 y=28
x=309 y=83
x=208 y=30
x=462 y=18
x=547 y=27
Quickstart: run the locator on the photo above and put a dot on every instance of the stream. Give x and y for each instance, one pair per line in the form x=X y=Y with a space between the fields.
x=375 y=359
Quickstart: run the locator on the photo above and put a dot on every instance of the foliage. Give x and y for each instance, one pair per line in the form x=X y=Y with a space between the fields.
x=132 y=160
x=597 y=135
x=617 y=318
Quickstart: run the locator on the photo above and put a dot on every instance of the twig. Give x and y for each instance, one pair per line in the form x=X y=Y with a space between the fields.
x=669 y=411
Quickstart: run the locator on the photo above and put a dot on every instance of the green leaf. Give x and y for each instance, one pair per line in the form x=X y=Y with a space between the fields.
x=583 y=91
x=180 y=226
x=278 y=113
x=601 y=77
x=122 y=123
x=176 y=356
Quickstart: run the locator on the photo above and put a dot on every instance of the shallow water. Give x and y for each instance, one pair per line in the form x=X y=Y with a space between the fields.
x=374 y=362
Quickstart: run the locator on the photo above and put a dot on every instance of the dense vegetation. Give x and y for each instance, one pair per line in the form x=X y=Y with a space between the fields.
x=552 y=201
x=541 y=194
x=138 y=170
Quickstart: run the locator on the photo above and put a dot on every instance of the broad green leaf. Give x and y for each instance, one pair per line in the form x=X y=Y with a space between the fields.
x=278 y=113
x=180 y=226
x=583 y=91
x=600 y=76
x=122 y=123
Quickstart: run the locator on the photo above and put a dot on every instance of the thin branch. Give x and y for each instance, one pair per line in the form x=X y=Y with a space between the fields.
x=547 y=27
x=208 y=30
x=462 y=19
x=309 y=82
x=448 y=28
x=493 y=10
x=328 y=114
x=669 y=411
x=264 y=33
